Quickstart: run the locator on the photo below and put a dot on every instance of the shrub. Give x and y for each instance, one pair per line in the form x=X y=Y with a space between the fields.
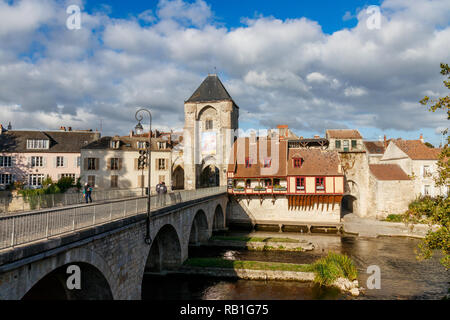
x=47 y=182
x=332 y=267
x=65 y=183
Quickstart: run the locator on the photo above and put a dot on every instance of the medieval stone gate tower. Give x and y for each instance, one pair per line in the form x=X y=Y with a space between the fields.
x=211 y=118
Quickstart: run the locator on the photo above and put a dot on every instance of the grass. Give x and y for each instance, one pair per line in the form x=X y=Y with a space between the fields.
x=254 y=239
x=333 y=266
x=238 y=264
x=394 y=218
x=326 y=269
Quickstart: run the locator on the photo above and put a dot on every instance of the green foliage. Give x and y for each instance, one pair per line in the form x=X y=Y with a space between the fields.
x=435 y=211
x=429 y=145
x=65 y=183
x=332 y=267
x=394 y=218
x=240 y=264
x=47 y=182
x=440 y=211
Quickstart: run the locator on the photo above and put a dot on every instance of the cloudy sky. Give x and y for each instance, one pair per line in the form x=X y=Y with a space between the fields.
x=312 y=65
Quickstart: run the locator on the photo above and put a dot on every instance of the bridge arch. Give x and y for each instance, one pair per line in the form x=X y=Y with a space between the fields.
x=165 y=251
x=94 y=269
x=219 y=219
x=53 y=286
x=199 y=229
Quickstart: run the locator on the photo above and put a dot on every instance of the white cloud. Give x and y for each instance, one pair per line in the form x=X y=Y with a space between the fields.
x=278 y=71
x=354 y=92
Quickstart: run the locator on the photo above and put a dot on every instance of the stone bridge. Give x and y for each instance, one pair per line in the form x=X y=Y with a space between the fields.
x=112 y=256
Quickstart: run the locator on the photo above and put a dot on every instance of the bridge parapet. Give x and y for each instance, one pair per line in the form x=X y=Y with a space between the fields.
x=40 y=225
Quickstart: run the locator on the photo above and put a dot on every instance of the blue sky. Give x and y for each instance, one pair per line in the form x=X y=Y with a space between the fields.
x=313 y=65
x=327 y=13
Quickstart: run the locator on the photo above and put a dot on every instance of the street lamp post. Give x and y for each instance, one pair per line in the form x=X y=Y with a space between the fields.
x=140 y=129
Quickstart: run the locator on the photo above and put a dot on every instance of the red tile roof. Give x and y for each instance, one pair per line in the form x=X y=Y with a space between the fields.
x=417 y=150
x=388 y=172
x=374 y=147
x=343 y=134
x=316 y=162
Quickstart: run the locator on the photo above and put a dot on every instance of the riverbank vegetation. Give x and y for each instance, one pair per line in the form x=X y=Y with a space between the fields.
x=332 y=267
x=440 y=239
x=327 y=270
x=254 y=239
x=240 y=264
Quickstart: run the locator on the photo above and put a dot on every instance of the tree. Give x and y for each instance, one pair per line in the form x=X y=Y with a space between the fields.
x=440 y=239
x=429 y=145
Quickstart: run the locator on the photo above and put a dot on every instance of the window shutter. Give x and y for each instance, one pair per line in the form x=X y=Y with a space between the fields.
x=108 y=163
x=44 y=162
x=85 y=160
x=64 y=162
x=55 y=162
x=120 y=163
x=156 y=164
x=97 y=164
x=136 y=163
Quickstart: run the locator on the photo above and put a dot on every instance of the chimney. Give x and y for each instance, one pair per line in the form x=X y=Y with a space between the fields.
x=385 y=142
x=283 y=130
x=316 y=137
x=1 y=128
x=9 y=126
x=70 y=129
x=131 y=133
x=170 y=138
x=421 y=138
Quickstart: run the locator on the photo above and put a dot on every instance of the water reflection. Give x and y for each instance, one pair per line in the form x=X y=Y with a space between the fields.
x=402 y=276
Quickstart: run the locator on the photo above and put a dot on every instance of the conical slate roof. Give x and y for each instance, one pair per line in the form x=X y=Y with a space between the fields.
x=211 y=89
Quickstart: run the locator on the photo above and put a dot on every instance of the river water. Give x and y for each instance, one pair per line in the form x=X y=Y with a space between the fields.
x=402 y=275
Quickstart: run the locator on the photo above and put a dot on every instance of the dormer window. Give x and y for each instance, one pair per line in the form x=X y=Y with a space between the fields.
x=115 y=144
x=338 y=144
x=267 y=162
x=161 y=145
x=37 y=144
x=354 y=144
x=141 y=145
x=298 y=162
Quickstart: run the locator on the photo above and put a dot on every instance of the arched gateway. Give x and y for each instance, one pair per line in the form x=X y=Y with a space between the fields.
x=211 y=118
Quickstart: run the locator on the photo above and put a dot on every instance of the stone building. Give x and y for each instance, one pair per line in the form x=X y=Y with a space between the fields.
x=352 y=153
x=418 y=161
x=112 y=162
x=31 y=156
x=211 y=118
x=391 y=190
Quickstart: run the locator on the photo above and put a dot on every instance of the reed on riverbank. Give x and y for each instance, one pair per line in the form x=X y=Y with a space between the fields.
x=332 y=267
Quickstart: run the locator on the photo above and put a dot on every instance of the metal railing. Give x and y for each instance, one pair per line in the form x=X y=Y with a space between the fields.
x=17 y=204
x=28 y=227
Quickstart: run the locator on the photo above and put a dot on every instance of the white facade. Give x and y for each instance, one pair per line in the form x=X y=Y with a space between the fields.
x=126 y=172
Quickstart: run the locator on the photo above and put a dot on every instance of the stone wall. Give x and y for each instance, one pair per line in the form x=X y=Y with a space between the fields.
x=273 y=211
x=390 y=197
